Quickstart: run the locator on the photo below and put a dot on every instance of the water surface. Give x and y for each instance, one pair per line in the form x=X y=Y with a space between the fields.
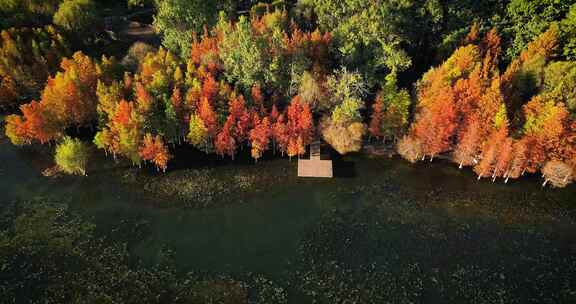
x=430 y=222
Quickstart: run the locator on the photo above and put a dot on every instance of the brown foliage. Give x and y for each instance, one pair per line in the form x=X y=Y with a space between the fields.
x=558 y=174
x=410 y=149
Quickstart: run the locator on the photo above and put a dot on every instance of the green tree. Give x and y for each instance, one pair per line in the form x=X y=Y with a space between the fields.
x=344 y=129
x=560 y=82
x=27 y=57
x=178 y=20
x=529 y=18
x=242 y=52
x=310 y=90
x=76 y=15
x=524 y=77
x=15 y=13
x=365 y=32
x=348 y=111
x=568 y=29
x=341 y=86
x=71 y=156
x=198 y=134
x=394 y=106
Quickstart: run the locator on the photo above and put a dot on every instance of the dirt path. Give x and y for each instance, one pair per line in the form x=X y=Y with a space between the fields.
x=123 y=28
x=134 y=31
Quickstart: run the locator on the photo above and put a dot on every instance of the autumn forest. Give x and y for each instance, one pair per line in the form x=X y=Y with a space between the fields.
x=151 y=151
x=274 y=78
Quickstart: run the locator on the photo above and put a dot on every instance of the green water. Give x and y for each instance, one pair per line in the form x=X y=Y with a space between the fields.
x=387 y=213
x=258 y=235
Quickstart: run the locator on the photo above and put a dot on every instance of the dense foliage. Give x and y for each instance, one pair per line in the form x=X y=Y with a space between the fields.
x=76 y=15
x=489 y=85
x=178 y=20
x=71 y=156
x=278 y=75
x=501 y=124
x=26 y=13
x=29 y=56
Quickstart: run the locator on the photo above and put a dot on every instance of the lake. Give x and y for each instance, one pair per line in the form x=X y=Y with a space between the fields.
x=385 y=231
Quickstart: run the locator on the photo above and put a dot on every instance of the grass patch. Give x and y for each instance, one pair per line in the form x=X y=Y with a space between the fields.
x=209 y=187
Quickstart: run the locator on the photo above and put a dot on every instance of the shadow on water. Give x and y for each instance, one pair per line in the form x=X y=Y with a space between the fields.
x=438 y=223
x=342 y=168
x=188 y=157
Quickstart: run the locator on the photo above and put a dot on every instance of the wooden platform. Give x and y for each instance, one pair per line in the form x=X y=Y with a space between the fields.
x=315 y=167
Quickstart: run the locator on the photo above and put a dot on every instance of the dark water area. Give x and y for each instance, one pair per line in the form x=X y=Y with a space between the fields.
x=382 y=231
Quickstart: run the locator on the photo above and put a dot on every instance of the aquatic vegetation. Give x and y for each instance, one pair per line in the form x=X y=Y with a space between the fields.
x=201 y=188
x=393 y=246
x=51 y=254
x=188 y=199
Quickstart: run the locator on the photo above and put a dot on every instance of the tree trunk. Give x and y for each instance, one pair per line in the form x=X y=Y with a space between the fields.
x=480 y=175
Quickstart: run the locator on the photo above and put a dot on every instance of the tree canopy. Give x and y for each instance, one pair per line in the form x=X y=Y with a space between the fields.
x=179 y=20
x=76 y=15
x=495 y=89
x=71 y=156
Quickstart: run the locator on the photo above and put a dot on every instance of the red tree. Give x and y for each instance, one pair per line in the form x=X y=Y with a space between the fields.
x=260 y=137
x=34 y=124
x=467 y=150
x=281 y=134
x=178 y=104
x=123 y=114
x=300 y=123
x=491 y=47
x=257 y=98
x=241 y=118
x=436 y=124
x=210 y=88
x=546 y=124
x=519 y=160
x=306 y=125
x=38 y=123
x=208 y=116
x=153 y=149
x=224 y=142
x=292 y=149
x=490 y=150
x=503 y=159
x=274 y=114
x=143 y=98
x=376 y=120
